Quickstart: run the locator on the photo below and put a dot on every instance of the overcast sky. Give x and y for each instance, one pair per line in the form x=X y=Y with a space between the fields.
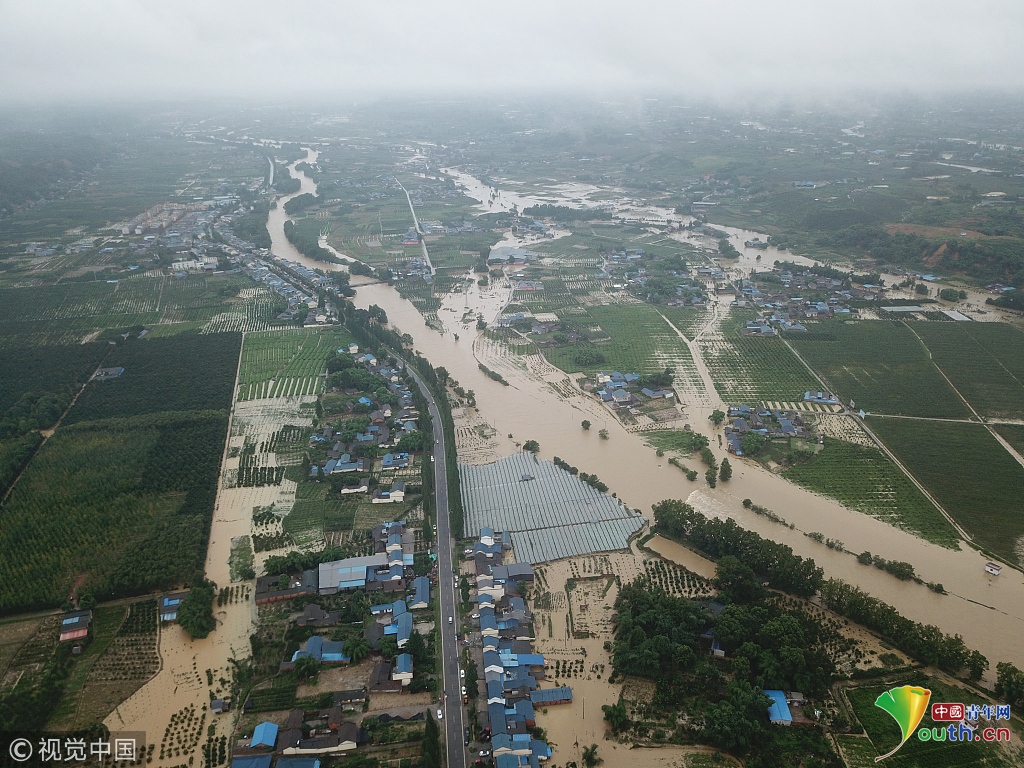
x=252 y=48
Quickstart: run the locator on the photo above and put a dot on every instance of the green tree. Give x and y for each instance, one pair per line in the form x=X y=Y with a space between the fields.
x=464 y=588
x=389 y=647
x=416 y=648
x=195 y=615
x=590 y=758
x=585 y=424
x=736 y=581
x=1009 y=683
x=753 y=443
x=432 y=744
x=603 y=434
x=616 y=716
x=306 y=667
x=717 y=417
x=921 y=289
x=725 y=473
x=532 y=446
x=977 y=664
x=357 y=648
x=711 y=476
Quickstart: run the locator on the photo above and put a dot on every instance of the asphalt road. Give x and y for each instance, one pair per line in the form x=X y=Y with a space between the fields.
x=453 y=723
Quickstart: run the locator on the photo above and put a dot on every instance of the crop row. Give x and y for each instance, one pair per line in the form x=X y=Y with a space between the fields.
x=985 y=362
x=866 y=480
x=749 y=369
x=284 y=363
x=881 y=365
x=640 y=341
x=968 y=472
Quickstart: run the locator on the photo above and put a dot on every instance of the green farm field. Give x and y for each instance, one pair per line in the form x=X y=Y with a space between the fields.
x=123 y=504
x=68 y=313
x=881 y=365
x=1013 y=434
x=968 y=472
x=866 y=480
x=187 y=372
x=748 y=369
x=287 y=363
x=689 y=320
x=640 y=342
x=985 y=362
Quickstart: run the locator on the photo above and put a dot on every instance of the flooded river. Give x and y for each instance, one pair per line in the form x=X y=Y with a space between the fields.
x=540 y=405
x=988 y=612
x=280 y=246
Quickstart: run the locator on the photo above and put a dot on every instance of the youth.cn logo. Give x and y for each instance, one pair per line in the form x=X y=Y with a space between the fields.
x=906 y=705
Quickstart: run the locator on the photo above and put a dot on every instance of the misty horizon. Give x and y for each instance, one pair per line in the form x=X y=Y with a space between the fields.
x=734 y=51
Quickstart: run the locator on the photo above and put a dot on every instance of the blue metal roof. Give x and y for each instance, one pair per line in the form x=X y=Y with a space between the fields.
x=779 y=712
x=265 y=735
x=252 y=761
x=296 y=762
x=547 y=695
x=403 y=663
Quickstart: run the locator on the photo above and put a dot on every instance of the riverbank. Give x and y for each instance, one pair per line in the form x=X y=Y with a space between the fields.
x=988 y=613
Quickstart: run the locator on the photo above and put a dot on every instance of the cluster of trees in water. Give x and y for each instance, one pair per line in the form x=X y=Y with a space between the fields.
x=775 y=562
x=562 y=213
x=777 y=565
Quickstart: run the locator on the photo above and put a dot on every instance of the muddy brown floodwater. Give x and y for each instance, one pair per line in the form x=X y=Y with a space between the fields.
x=988 y=612
x=543 y=404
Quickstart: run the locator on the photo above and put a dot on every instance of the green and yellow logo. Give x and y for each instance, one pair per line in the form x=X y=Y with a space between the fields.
x=906 y=705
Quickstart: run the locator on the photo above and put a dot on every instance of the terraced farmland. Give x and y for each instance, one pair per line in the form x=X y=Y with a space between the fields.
x=749 y=369
x=865 y=479
x=286 y=363
x=881 y=365
x=969 y=473
x=985 y=362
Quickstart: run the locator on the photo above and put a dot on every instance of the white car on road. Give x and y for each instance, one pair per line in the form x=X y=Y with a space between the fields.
x=440 y=715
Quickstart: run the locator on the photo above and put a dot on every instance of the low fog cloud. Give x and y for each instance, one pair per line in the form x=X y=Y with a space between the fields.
x=132 y=49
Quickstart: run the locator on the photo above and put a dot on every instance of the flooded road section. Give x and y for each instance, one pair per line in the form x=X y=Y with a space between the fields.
x=543 y=403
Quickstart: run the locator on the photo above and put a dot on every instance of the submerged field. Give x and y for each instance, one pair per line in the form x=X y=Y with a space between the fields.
x=865 y=479
x=969 y=473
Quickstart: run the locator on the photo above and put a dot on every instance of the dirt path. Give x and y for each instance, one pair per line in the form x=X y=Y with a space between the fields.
x=48 y=433
x=711 y=398
x=999 y=438
x=885 y=449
